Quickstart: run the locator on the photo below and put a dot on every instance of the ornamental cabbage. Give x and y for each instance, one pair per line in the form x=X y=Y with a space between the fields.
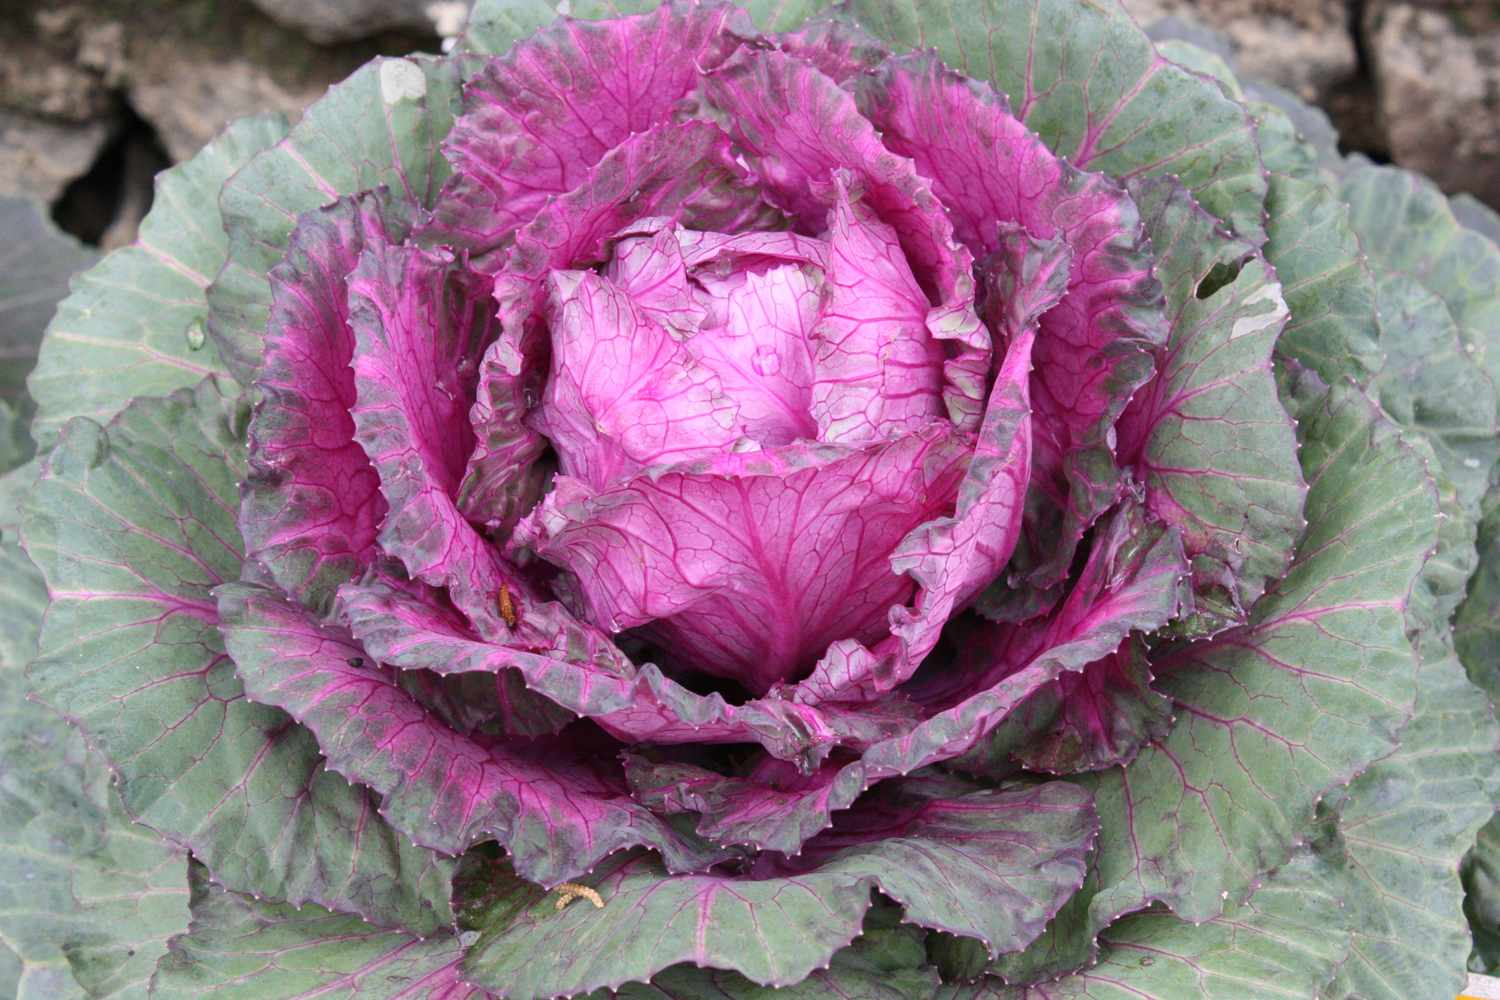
x=897 y=500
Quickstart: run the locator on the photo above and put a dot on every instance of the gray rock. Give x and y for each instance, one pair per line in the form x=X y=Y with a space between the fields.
x=1437 y=80
x=38 y=81
x=340 y=20
x=38 y=158
x=189 y=93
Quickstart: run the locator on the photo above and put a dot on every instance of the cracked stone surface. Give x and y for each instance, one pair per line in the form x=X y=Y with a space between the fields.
x=341 y=20
x=38 y=158
x=1437 y=83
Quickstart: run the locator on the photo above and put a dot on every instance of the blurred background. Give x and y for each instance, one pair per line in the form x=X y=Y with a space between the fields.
x=96 y=96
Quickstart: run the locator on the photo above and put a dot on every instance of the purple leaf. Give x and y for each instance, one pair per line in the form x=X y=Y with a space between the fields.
x=751 y=566
x=633 y=704
x=623 y=393
x=1133 y=583
x=760 y=295
x=777 y=808
x=539 y=118
x=1094 y=348
x=797 y=127
x=685 y=169
x=877 y=372
x=420 y=323
x=556 y=811
x=1103 y=715
x=311 y=503
x=837 y=49
x=950 y=558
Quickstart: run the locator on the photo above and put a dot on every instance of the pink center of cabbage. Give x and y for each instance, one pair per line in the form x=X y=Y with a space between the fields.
x=723 y=369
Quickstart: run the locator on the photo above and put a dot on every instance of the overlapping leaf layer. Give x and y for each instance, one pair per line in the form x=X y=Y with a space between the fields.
x=940 y=499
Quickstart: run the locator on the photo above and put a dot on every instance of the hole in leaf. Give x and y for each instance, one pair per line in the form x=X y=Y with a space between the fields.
x=1221 y=274
x=116 y=191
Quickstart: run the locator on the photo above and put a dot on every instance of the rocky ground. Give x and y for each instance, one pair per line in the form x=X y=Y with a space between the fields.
x=97 y=95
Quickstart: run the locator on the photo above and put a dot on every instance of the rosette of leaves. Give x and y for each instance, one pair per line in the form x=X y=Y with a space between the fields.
x=891 y=500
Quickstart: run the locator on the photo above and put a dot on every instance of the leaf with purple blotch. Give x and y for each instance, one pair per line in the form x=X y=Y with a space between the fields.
x=380 y=126
x=558 y=808
x=1208 y=437
x=1089 y=82
x=133 y=526
x=311 y=503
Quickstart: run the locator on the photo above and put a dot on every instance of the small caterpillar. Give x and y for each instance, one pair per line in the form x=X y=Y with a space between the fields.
x=508 y=607
x=569 y=891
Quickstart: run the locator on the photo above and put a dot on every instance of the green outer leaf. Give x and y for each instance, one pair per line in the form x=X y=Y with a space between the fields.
x=381 y=126
x=240 y=949
x=1481 y=875
x=887 y=962
x=38 y=770
x=132 y=897
x=132 y=528
x=774 y=931
x=1433 y=388
x=130 y=326
x=23 y=596
x=35 y=265
x=16 y=446
x=1439 y=298
x=1327 y=286
x=495 y=25
x=1201 y=61
x=1284 y=942
x=1404 y=825
x=1405 y=224
x=1476 y=626
x=1474 y=214
x=1221 y=453
x=82 y=889
x=1067 y=943
x=1440 y=317
x=1082 y=75
x=992 y=865
x=1283 y=148
x=1302 y=699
